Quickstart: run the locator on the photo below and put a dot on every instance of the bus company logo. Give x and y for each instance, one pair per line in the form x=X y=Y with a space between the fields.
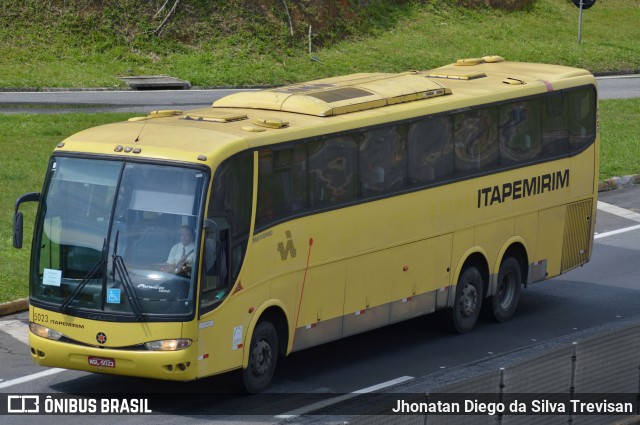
x=23 y=404
x=523 y=188
x=288 y=249
x=101 y=337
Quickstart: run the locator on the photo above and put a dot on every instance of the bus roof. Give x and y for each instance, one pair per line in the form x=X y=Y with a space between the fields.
x=257 y=118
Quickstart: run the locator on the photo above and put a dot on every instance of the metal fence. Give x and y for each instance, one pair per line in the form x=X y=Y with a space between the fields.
x=607 y=363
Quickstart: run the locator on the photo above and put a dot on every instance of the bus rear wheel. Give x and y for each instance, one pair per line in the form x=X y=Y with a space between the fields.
x=466 y=308
x=263 y=355
x=504 y=303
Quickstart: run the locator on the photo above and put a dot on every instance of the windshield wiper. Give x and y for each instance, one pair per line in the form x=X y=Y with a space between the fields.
x=67 y=301
x=127 y=285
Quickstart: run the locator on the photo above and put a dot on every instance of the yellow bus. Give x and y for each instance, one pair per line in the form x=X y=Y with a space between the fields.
x=185 y=244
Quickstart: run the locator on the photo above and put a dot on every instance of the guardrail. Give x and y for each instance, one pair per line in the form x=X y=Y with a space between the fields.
x=596 y=367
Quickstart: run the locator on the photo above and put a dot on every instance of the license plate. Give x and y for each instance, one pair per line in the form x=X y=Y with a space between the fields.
x=101 y=362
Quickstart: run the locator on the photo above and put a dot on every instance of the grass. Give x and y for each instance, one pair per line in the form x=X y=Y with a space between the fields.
x=233 y=43
x=620 y=154
x=28 y=140
x=59 y=47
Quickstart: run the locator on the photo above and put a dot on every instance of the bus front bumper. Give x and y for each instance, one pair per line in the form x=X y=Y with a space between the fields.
x=169 y=365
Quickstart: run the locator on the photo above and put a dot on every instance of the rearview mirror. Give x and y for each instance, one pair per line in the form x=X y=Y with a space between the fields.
x=18 y=224
x=18 y=219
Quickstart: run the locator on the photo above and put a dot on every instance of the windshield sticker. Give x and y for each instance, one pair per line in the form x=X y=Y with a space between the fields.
x=52 y=277
x=157 y=287
x=237 y=337
x=113 y=296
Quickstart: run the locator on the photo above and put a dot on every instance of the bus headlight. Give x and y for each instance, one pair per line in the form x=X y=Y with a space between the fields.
x=44 y=332
x=168 y=345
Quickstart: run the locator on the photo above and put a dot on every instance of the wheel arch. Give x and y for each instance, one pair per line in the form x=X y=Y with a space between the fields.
x=274 y=312
x=517 y=248
x=473 y=257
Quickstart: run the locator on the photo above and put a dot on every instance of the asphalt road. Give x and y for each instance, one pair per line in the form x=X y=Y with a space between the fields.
x=604 y=292
x=619 y=87
x=615 y=87
x=107 y=100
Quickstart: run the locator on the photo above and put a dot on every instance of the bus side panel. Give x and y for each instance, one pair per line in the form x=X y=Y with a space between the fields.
x=320 y=306
x=549 y=244
x=582 y=173
x=492 y=237
x=395 y=284
x=526 y=228
x=462 y=243
x=287 y=289
x=427 y=271
x=372 y=282
x=223 y=333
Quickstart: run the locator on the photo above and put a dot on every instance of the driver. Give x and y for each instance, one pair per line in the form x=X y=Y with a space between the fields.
x=181 y=255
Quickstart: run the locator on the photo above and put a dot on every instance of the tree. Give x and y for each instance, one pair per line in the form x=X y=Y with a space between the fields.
x=167 y=17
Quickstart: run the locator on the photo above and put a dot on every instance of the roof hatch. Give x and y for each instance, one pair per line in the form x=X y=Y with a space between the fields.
x=478 y=61
x=216 y=116
x=339 y=95
x=457 y=75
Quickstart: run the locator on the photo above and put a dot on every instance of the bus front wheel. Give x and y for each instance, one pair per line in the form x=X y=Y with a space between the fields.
x=468 y=301
x=503 y=304
x=263 y=354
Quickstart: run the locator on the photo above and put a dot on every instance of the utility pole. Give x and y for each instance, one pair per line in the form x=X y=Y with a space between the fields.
x=582 y=4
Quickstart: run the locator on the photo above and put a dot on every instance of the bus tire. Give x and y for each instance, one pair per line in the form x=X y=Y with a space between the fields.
x=263 y=355
x=503 y=304
x=468 y=301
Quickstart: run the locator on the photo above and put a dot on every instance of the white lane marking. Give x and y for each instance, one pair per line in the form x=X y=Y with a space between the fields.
x=28 y=378
x=620 y=212
x=20 y=331
x=617 y=232
x=325 y=403
x=384 y=385
x=17 y=329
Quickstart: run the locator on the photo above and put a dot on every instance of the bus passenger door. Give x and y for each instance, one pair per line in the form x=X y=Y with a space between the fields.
x=220 y=328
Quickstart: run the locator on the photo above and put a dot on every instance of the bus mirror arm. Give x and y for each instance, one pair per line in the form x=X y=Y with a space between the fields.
x=210 y=256
x=210 y=246
x=214 y=228
x=210 y=224
x=18 y=218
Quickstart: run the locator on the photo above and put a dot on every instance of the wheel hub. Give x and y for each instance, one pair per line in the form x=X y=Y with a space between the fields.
x=261 y=360
x=468 y=300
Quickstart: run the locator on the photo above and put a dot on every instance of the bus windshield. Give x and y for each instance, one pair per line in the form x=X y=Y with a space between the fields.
x=118 y=238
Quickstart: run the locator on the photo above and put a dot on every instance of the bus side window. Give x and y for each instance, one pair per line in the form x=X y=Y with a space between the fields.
x=476 y=141
x=282 y=183
x=333 y=171
x=582 y=119
x=232 y=193
x=430 y=150
x=520 y=138
x=230 y=210
x=273 y=186
x=555 y=132
x=382 y=161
